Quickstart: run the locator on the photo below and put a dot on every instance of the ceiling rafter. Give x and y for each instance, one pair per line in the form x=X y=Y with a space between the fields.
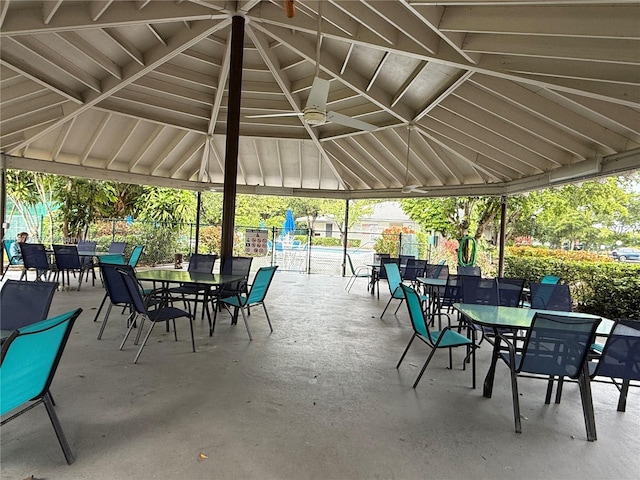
x=157 y=56
x=134 y=124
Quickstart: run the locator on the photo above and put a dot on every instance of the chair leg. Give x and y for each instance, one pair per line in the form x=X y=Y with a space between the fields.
x=266 y=315
x=62 y=440
x=587 y=405
x=104 y=321
x=212 y=324
x=398 y=307
x=246 y=324
x=104 y=299
x=144 y=342
x=424 y=367
x=516 y=400
x=386 y=306
x=622 y=400
x=193 y=339
x=129 y=332
x=406 y=350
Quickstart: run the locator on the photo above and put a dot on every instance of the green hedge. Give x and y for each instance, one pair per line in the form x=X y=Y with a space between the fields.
x=609 y=289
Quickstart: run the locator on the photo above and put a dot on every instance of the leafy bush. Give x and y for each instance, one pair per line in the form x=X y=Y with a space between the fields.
x=389 y=240
x=600 y=287
x=326 y=241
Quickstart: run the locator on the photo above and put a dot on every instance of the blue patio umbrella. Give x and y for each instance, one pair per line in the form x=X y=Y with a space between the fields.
x=289 y=225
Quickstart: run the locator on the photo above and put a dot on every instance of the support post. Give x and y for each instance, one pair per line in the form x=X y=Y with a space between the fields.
x=503 y=235
x=345 y=240
x=233 y=135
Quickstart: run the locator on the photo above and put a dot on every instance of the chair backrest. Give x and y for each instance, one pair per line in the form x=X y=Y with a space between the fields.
x=134 y=288
x=67 y=257
x=87 y=246
x=24 y=303
x=34 y=255
x=135 y=255
x=551 y=279
x=7 y=248
x=202 y=263
x=261 y=283
x=478 y=290
x=383 y=262
x=350 y=263
x=433 y=271
x=30 y=357
x=452 y=292
x=620 y=357
x=236 y=266
x=510 y=291
x=557 y=344
x=470 y=270
x=117 y=247
x=416 y=314
x=548 y=296
x=393 y=276
x=111 y=258
x=414 y=269
x=114 y=284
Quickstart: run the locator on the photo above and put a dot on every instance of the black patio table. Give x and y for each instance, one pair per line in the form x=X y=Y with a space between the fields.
x=166 y=277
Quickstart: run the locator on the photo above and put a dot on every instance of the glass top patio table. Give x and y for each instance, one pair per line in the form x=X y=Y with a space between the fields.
x=183 y=276
x=515 y=318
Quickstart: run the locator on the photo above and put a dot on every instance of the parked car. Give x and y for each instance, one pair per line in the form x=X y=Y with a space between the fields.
x=626 y=253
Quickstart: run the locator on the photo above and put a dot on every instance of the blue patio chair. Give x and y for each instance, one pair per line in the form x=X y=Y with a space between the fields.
x=445 y=338
x=549 y=296
x=28 y=363
x=617 y=359
x=34 y=257
x=470 y=270
x=117 y=293
x=620 y=358
x=395 y=280
x=117 y=247
x=413 y=270
x=240 y=266
x=193 y=292
x=361 y=272
x=87 y=250
x=24 y=303
x=159 y=314
x=555 y=346
x=255 y=296
x=68 y=262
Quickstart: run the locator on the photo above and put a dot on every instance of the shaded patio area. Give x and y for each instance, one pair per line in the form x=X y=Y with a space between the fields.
x=319 y=398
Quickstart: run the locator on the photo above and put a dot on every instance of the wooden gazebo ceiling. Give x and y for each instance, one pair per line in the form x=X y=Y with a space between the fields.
x=498 y=96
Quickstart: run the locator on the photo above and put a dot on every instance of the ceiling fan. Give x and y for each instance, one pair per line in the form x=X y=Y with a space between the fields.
x=410 y=188
x=315 y=111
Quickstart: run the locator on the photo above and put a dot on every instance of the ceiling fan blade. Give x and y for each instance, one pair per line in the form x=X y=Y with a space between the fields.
x=319 y=94
x=272 y=115
x=335 y=117
x=413 y=189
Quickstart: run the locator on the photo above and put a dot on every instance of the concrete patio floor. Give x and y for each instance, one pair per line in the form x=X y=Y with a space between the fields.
x=319 y=398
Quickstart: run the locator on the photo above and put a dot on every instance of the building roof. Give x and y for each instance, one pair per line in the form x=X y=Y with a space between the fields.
x=464 y=96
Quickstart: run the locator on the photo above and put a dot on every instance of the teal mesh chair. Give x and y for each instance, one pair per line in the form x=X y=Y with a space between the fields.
x=135 y=256
x=29 y=360
x=361 y=272
x=550 y=279
x=395 y=280
x=556 y=346
x=256 y=296
x=12 y=260
x=445 y=338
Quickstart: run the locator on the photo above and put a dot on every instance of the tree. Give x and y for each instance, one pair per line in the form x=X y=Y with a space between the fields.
x=27 y=190
x=167 y=205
